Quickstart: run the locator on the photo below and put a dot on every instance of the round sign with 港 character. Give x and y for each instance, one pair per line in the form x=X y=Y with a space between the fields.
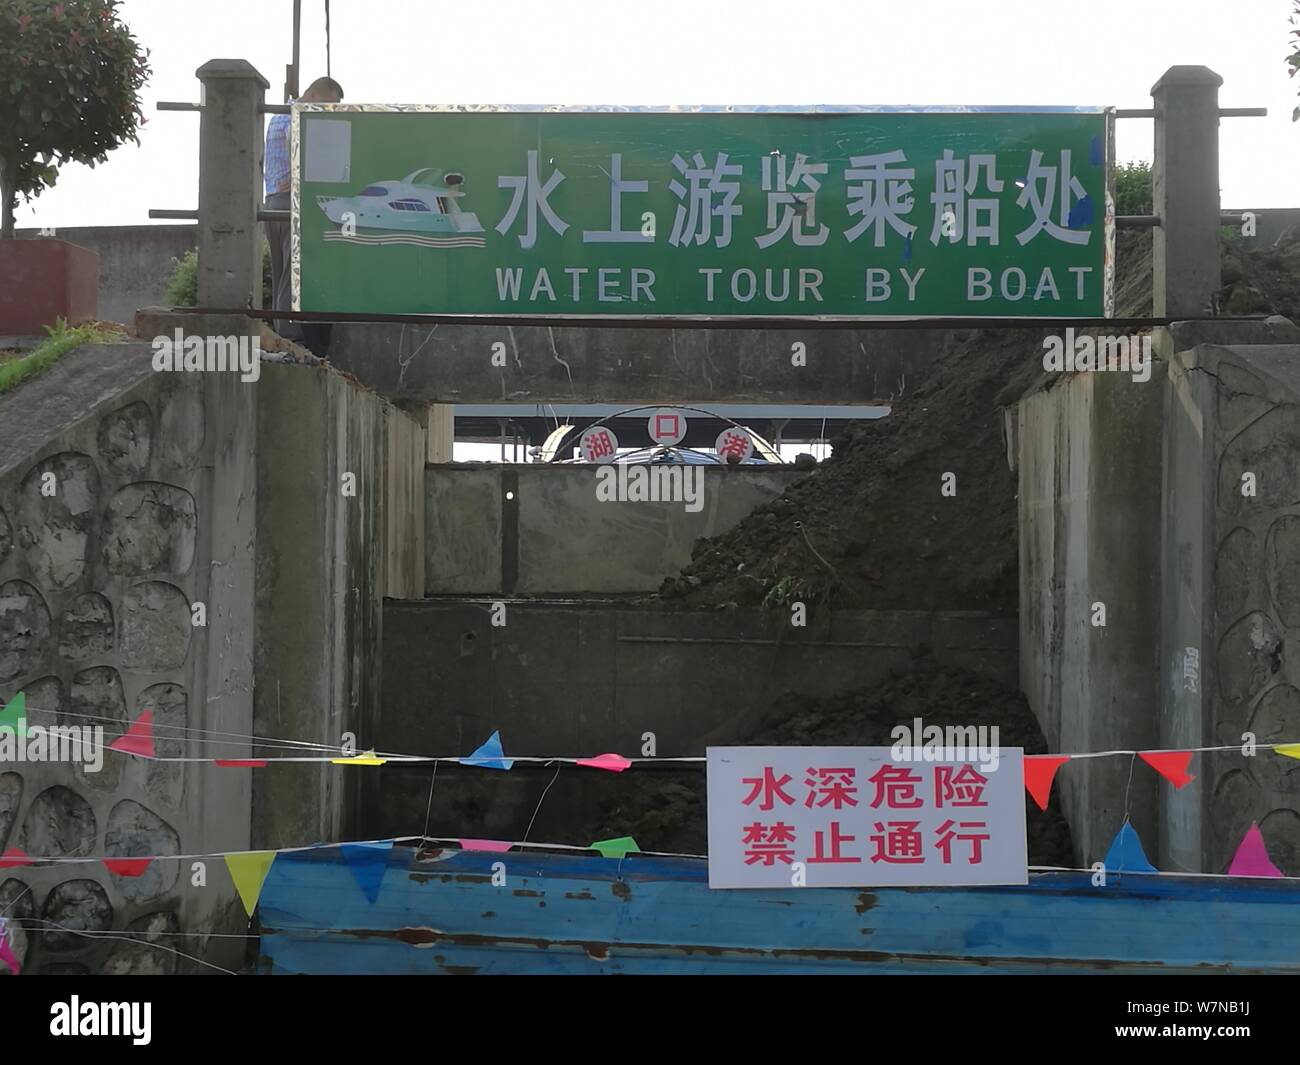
x=599 y=444
x=734 y=444
x=667 y=426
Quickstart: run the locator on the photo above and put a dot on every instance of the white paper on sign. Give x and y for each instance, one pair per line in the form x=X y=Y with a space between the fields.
x=328 y=152
x=786 y=817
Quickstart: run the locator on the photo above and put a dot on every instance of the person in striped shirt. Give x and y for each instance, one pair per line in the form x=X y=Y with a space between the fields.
x=275 y=169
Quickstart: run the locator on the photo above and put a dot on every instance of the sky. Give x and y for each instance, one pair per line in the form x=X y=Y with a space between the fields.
x=1051 y=52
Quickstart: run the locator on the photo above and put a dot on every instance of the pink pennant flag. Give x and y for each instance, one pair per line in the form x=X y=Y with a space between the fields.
x=127 y=866
x=615 y=763
x=484 y=845
x=240 y=763
x=7 y=954
x=13 y=858
x=1172 y=765
x=138 y=738
x=1040 y=770
x=1251 y=858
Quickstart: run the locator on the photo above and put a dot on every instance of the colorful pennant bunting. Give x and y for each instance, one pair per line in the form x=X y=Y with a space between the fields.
x=1126 y=854
x=1252 y=858
x=138 y=739
x=490 y=755
x=1172 y=765
x=615 y=763
x=1289 y=750
x=13 y=858
x=14 y=715
x=132 y=867
x=368 y=862
x=248 y=871
x=1040 y=771
x=7 y=955
x=616 y=848
x=485 y=845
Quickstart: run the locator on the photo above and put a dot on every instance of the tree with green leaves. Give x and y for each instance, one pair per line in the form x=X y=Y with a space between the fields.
x=1293 y=60
x=70 y=75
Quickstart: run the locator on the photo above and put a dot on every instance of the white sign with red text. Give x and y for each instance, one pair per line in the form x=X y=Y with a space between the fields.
x=599 y=445
x=784 y=817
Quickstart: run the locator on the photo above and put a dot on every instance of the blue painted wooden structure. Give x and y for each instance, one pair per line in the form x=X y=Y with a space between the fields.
x=438 y=912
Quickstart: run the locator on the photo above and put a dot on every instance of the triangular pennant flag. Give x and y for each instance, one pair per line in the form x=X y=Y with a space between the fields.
x=248 y=871
x=13 y=858
x=138 y=739
x=1040 y=771
x=127 y=866
x=368 y=862
x=240 y=763
x=14 y=715
x=1172 y=765
x=1126 y=854
x=615 y=763
x=616 y=848
x=360 y=759
x=490 y=755
x=497 y=845
x=1291 y=750
x=1252 y=858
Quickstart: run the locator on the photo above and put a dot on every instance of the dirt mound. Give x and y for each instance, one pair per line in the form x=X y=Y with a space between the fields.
x=870 y=528
x=666 y=809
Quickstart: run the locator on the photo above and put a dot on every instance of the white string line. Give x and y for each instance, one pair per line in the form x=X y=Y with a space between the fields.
x=128 y=939
x=393 y=756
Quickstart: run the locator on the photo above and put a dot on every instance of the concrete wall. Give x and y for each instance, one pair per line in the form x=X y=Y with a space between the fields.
x=97 y=581
x=1232 y=598
x=1131 y=495
x=340 y=519
x=559 y=678
x=554 y=537
x=135 y=262
x=1089 y=489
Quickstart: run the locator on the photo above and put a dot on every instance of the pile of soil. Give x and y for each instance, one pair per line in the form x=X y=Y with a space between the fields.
x=665 y=810
x=870 y=528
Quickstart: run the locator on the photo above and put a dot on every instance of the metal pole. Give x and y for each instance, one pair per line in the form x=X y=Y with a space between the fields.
x=291 y=75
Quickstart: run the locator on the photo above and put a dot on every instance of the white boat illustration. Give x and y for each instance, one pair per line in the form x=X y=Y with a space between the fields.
x=423 y=202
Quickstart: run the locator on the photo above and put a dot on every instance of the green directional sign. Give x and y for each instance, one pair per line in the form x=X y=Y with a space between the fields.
x=702 y=213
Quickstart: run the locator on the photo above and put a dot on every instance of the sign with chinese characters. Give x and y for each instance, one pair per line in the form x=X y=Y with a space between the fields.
x=701 y=213
x=666 y=427
x=599 y=444
x=783 y=817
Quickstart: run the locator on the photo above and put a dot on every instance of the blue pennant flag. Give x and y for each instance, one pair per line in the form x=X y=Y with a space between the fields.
x=368 y=862
x=490 y=755
x=1126 y=854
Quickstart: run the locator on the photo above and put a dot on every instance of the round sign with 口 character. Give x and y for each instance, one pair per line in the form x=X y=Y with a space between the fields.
x=667 y=427
x=599 y=444
x=734 y=441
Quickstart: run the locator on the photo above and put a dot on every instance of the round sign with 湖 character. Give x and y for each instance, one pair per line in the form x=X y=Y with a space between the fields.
x=599 y=444
x=734 y=444
x=667 y=426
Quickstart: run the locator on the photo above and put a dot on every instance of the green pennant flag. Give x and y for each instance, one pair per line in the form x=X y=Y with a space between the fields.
x=616 y=848
x=14 y=715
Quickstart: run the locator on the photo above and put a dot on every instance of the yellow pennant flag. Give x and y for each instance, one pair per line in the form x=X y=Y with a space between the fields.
x=1291 y=750
x=248 y=871
x=361 y=759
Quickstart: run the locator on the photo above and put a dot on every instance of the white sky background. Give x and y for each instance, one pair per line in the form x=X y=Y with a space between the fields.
x=1061 y=52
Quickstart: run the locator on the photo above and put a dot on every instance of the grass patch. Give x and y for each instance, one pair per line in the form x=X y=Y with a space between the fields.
x=60 y=340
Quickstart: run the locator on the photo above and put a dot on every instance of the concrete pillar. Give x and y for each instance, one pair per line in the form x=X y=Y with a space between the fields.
x=1185 y=184
x=230 y=184
x=440 y=432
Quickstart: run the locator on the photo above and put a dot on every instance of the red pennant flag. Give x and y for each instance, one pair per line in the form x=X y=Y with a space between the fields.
x=127 y=866
x=237 y=763
x=1172 y=765
x=13 y=858
x=615 y=763
x=138 y=738
x=1040 y=771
